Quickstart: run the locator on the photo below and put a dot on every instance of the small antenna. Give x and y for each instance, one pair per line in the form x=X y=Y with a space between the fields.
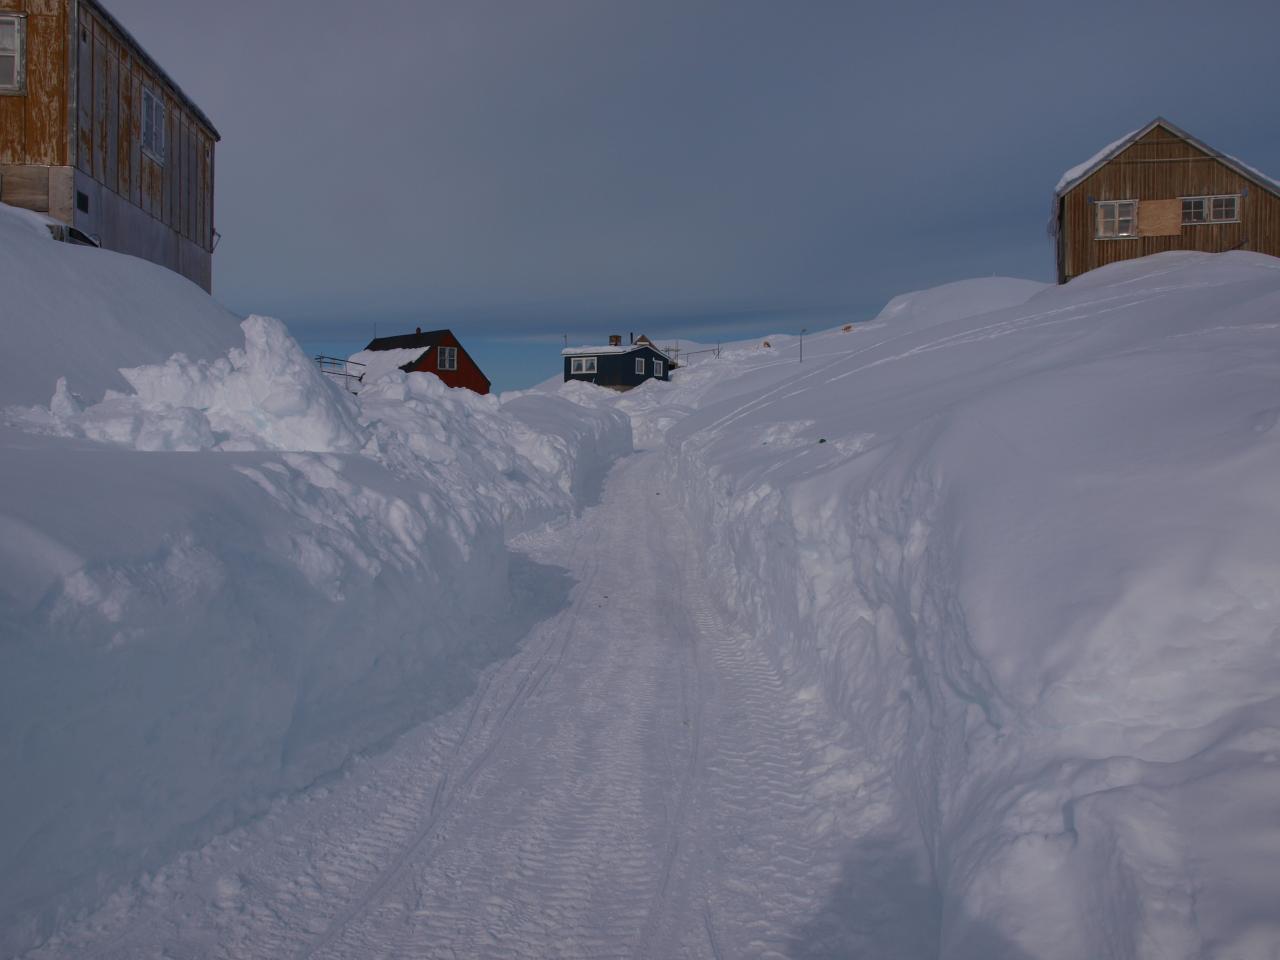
x=566 y=340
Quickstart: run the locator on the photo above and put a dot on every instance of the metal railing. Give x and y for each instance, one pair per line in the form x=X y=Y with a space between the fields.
x=342 y=370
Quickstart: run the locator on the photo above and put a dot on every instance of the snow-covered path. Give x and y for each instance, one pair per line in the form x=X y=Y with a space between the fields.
x=631 y=783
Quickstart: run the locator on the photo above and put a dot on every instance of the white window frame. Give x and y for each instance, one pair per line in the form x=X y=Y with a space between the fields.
x=1207 y=200
x=446 y=358
x=640 y=366
x=19 y=54
x=582 y=365
x=1235 y=209
x=1101 y=219
x=153 y=119
x=658 y=367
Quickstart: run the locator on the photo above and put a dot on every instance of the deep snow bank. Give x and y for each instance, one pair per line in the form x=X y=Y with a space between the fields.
x=81 y=313
x=1032 y=557
x=221 y=575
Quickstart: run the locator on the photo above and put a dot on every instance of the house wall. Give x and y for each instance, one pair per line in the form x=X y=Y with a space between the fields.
x=618 y=370
x=468 y=373
x=35 y=134
x=1162 y=166
x=162 y=211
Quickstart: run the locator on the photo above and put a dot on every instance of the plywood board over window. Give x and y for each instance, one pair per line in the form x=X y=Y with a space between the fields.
x=1160 y=218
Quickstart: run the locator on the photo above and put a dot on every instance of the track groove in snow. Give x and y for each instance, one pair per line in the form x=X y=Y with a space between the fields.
x=630 y=783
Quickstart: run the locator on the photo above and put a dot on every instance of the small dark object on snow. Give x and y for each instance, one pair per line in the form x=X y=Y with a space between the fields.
x=822 y=439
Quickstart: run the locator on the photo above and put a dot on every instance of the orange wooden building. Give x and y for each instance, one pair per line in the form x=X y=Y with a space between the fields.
x=1158 y=189
x=441 y=354
x=97 y=136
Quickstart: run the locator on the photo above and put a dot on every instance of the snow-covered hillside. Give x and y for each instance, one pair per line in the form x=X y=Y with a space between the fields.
x=1032 y=559
x=221 y=575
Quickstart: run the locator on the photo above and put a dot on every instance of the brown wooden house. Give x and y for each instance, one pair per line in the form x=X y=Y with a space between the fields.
x=96 y=135
x=440 y=354
x=1158 y=189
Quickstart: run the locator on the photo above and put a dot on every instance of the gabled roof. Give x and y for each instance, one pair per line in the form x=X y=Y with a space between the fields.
x=1077 y=174
x=424 y=341
x=590 y=351
x=430 y=338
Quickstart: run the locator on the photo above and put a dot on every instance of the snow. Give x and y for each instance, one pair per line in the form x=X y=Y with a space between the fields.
x=1272 y=182
x=1070 y=177
x=1080 y=169
x=957 y=639
x=83 y=313
x=601 y=351
x=375 y=363
x=1033 y=567
x=221 y=576
x=588 y=349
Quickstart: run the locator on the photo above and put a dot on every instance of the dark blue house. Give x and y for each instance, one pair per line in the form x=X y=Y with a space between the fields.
x=617 y=365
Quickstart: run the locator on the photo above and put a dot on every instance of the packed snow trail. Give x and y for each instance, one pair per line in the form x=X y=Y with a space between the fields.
x=631 y=783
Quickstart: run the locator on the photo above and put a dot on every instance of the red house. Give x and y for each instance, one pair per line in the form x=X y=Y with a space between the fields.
x=441 y=354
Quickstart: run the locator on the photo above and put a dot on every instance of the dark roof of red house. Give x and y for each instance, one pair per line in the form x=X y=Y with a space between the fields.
x=408 y=341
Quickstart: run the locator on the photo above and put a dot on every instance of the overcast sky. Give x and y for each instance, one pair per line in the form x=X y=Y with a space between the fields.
x=533 y=167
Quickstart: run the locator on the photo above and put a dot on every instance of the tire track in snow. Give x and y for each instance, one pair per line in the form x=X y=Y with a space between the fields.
x=632 y=782
x=528 y=679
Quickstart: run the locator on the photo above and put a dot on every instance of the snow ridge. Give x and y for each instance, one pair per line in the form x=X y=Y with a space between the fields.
x=221 y=578
x=1023 y=555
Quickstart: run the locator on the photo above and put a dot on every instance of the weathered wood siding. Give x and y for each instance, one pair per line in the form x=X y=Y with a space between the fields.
x=178 y=192
x=1163 y=166
x=35 y=124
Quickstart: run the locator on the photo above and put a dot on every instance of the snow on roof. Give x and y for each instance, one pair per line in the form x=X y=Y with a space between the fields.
x=1080 y=169
x=375 y=363
x=1272 y=182
x=594 y=351
x=590 y=351
x=420 y=338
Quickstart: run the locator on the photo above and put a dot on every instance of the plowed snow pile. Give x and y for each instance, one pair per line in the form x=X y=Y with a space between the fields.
x=1032 y=555
x=220 y=574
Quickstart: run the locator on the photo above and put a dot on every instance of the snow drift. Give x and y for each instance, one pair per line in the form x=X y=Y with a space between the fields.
x=221 y=575
x=1030 y=551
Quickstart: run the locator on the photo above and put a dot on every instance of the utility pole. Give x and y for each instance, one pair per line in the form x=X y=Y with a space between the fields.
x=803 y=331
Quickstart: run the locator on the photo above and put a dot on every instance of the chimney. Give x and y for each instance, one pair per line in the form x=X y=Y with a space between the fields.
x=418 y=330
x=633 y=337
x=615 y=340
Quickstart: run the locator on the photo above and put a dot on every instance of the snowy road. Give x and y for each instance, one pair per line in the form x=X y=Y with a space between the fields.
x=631 y=783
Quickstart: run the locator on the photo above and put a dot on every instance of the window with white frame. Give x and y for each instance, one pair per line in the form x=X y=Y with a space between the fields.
x=583 y=365
x=1224 y=208
x=640 y=366
x=657 y=368
x=1220 y=209
x=13 y=36
x=1117 y=218
x=153 y=125
x=446 y=358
